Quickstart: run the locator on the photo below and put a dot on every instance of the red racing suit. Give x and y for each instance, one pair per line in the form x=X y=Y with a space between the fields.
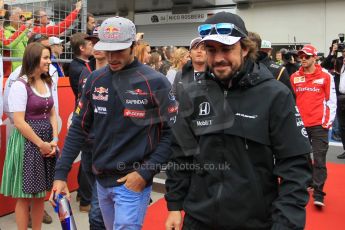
x=315 y=96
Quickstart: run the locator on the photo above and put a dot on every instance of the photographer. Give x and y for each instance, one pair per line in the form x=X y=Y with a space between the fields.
x=289 y=60
x=336 y=66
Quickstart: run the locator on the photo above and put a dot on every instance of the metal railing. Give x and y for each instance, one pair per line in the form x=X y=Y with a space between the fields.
x=16 y=14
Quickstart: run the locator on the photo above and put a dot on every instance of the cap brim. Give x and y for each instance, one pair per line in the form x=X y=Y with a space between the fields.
x=224 y=39
x=107 y=46
x=303 y=52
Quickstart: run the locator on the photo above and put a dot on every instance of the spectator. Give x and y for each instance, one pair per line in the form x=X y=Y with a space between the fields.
x=41 y=22
x=16 y=73
x=155 y=61
x=194 y=69
x=247 y=138
x=57 y=49
x=279 y=59
x=95 y=215
x=168 y=53
x=82 y=50
x=110 y=98
x=143 y=52
x=12 y=24
x=316 y=101
x=179 y=59
x=336 y=66
x=264 y=50
x=30 y=158
x=289 y=61
x=90 y=24
x=11 y=42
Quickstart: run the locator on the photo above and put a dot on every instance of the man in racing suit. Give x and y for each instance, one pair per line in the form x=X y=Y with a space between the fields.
x=317 y=102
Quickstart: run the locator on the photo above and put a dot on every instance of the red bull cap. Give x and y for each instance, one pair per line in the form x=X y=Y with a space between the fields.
x=115 y=33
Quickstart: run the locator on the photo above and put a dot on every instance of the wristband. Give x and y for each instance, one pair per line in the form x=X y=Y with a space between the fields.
x=55 y=139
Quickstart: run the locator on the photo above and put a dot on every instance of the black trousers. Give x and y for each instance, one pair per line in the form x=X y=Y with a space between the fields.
x=341 y=117
x=318 y=137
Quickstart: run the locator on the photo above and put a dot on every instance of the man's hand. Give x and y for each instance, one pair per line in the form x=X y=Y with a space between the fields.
x=133 y=181
x=78 y=5
x=174 y=220
x=59 y=186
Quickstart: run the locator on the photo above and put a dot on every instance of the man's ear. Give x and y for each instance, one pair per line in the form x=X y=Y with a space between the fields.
x=82 y=48
x=245 y=52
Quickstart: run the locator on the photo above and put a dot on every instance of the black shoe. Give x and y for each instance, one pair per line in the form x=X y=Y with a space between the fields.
x=319 y=202
x=341 y=156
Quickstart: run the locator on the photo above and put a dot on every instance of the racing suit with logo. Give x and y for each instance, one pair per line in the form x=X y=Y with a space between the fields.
x=317 y=103
x=130 y=112
x=247 y=136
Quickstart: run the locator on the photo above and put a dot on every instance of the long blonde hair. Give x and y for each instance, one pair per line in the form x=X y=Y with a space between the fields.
x=178 y=56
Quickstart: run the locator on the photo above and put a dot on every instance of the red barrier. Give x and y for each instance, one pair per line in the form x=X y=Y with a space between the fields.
x=66 y=107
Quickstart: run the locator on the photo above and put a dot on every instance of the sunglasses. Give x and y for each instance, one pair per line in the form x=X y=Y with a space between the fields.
x=307 y=57
x=220 y=28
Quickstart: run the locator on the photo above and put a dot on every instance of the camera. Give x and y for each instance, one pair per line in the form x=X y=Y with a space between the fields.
x=340 y=42
x=289 y=55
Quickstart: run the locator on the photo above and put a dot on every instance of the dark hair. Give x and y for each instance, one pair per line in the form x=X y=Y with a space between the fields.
x=31 y=60
x=247 y=43
x=255 y=37
x=37 y=38
x=89 y=15
x=77 y=40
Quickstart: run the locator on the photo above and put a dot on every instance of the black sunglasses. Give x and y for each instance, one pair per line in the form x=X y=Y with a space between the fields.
x=307 y=57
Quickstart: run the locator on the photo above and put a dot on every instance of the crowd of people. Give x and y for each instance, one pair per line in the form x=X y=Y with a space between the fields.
x=233 y=128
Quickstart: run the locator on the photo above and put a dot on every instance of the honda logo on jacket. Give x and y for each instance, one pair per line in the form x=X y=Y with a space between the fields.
x=204 y=109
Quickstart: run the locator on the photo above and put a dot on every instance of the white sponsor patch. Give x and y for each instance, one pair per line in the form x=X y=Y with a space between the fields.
x=204 y=109
x=204 y=123
x=319 y=81
x=100 y=110
x=137 y=102
x=246 y=116
x=304 y=132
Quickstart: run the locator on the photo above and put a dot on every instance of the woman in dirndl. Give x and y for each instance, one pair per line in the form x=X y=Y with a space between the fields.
x=30 y=157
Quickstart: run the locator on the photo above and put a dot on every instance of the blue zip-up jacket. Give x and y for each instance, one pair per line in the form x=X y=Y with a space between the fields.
x=131 y=111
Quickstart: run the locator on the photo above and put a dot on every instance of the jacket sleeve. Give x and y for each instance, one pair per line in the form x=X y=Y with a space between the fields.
x=291 y=146
x=16 y=37
x=331 y=101
x=328 y=63
x=11 y=40
x=166 y=115
x=176 y=80
x=77 y=133
x=184 y=146
x=74 y=74
x=59 y=28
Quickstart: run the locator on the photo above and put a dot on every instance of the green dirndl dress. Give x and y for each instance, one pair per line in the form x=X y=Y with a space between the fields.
x=12 y=177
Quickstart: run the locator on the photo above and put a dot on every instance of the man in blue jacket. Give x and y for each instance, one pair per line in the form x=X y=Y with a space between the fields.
x=130 y=108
